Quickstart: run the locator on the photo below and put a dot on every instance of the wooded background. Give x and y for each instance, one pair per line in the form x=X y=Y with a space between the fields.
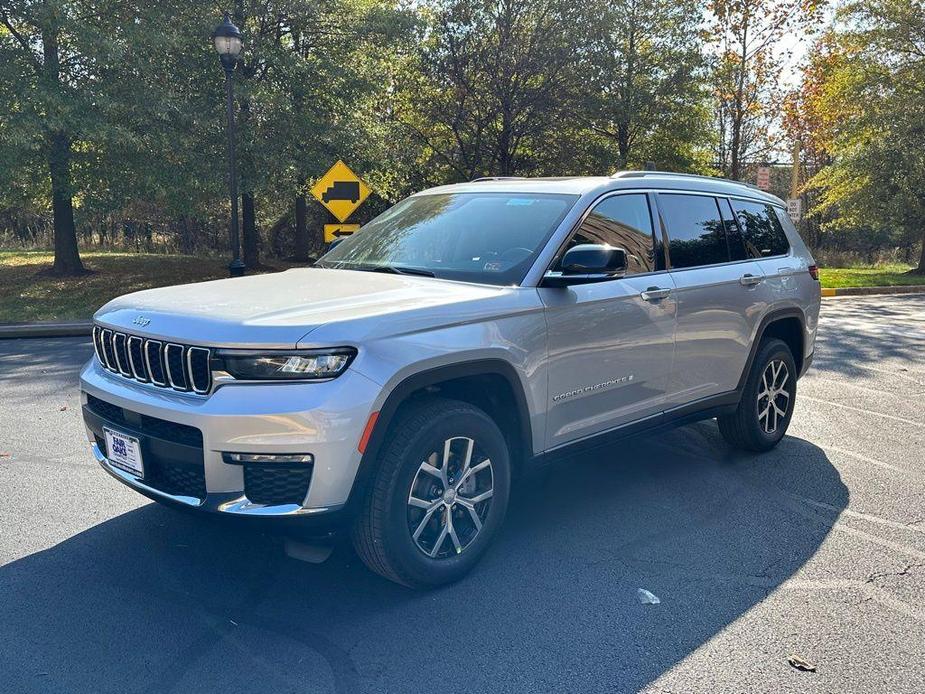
x=112 y=123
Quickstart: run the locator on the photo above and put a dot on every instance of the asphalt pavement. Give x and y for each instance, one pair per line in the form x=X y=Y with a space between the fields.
x=815 y=550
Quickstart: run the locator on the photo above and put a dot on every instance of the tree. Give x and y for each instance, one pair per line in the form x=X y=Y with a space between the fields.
x=46 y=49
x=746 y=73
x=644 y=72
x=872 y=107
x=805 y=121
x=491 y=84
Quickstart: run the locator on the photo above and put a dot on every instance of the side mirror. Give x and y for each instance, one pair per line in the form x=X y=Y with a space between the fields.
x=586 y=263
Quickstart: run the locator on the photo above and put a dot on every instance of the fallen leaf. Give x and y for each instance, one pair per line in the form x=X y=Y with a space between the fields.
x=800 y=664
x=62 y=409
x=6 y=455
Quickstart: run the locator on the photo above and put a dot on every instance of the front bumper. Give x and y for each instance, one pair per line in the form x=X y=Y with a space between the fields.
x=325 y=419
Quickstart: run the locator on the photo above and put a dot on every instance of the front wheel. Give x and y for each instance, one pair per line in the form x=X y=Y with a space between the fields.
x=763 y=414
x=438 y=496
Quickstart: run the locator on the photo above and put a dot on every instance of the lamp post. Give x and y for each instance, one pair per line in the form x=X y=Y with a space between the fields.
x=228 y=44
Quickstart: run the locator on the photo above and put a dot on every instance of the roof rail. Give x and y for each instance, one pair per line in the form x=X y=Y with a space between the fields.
x=497 y=178
x=643 y=174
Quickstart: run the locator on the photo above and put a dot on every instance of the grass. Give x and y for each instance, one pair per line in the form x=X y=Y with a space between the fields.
x=27 y=295
x=879 y=276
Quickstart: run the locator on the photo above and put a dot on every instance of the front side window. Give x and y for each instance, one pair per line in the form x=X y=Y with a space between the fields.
x=761 y=229
x=695 y=228
x=622 y=221
x=489 y=238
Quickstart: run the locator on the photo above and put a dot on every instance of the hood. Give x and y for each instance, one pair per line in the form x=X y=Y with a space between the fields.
x=278 y=310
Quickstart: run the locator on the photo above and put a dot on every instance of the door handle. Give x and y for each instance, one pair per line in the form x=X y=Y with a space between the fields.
x=654 y=294
x=748 y=280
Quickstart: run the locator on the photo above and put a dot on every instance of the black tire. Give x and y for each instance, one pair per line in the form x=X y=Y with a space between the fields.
x=382 y=532
x=748 y=427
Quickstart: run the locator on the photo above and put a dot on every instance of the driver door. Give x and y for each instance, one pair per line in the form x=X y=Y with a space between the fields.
x=610 y=343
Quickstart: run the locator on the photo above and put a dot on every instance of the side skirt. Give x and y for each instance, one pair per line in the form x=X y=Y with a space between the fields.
x=706 y=408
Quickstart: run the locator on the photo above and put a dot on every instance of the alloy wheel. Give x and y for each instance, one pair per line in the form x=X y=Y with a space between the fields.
x=773 y=397
x=450 y=498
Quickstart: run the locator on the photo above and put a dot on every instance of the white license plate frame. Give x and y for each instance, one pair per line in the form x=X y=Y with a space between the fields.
x=123 y=451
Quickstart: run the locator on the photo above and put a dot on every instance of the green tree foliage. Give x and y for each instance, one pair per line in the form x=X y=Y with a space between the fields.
x=872 y=107
x=112 y=123
x=490 y=86
x=645 y=82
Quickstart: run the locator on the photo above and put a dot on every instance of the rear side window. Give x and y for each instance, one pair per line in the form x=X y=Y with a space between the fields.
x=733 y=235
x=622 y=221
x=762 y=232
x=695 y=228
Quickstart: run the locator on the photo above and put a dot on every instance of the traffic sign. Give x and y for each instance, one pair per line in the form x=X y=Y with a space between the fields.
x=336 y=231
x=764 y=177
x=341 y=191
x=794 y=209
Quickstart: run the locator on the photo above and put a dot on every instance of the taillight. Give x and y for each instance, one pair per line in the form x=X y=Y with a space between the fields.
x=814 y=272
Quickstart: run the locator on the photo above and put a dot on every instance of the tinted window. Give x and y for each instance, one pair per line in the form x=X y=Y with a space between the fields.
x=761 y=230
x=472 y=237
x=695 y=229
x=622 y=221
x=733 y=235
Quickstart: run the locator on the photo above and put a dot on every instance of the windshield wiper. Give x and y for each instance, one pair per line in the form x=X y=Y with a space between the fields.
x=369 y=267
x=399 y=270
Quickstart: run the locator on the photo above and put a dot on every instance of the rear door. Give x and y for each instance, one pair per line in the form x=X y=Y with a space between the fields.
x=610 y=343
x=764 y=240
x=720 y=294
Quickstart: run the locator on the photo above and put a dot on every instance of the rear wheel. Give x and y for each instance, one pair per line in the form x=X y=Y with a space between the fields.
x=438 y=496
x=763 y=414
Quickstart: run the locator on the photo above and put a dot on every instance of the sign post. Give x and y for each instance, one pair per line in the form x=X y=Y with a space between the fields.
x=341 y=191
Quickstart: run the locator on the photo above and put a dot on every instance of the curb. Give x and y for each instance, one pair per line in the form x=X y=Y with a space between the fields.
x=71 y=329
x=865 y=291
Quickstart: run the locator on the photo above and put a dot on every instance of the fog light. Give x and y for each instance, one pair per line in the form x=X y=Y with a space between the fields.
x=268 y=458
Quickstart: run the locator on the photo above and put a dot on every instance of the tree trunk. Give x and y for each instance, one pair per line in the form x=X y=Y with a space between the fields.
x=301 y=231
x=623 y=144
x=67 y=257
x=920 y=270
x=250 y=240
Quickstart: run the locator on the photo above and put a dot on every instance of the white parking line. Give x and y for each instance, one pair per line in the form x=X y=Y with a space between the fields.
x=805 y=398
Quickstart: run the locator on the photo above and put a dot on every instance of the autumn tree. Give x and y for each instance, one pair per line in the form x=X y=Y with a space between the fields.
x=746 y=73
x=872 y=107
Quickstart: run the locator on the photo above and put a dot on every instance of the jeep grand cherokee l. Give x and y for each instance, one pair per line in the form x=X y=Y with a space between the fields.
x=466 y=333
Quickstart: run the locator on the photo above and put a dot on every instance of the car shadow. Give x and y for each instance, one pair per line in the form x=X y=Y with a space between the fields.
x=154 y=599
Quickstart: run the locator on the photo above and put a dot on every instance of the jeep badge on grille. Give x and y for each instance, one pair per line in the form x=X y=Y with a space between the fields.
x=142 y=321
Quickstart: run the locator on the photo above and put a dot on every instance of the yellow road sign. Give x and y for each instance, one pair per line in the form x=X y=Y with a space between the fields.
x=341 y=191
x=336 y=231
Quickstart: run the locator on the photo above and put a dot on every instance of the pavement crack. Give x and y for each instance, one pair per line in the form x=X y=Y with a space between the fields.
x=906 y=570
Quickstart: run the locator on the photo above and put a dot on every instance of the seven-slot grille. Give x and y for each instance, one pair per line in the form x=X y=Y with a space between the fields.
x=163 y=364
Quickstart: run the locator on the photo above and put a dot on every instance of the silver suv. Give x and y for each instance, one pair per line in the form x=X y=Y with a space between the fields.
x=397 y=388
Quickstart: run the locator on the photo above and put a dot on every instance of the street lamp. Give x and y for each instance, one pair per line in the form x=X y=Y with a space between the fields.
x=228 y=44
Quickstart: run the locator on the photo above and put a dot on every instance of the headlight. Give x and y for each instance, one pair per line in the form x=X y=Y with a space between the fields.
x=295 y=365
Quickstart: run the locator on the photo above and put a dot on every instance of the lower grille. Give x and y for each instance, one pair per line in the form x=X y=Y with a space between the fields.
x=177 y=479
x=161 y=428
x=264 y=484
x=172 y=453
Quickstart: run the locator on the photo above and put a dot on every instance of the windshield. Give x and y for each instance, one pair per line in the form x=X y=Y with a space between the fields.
x=491 y=238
